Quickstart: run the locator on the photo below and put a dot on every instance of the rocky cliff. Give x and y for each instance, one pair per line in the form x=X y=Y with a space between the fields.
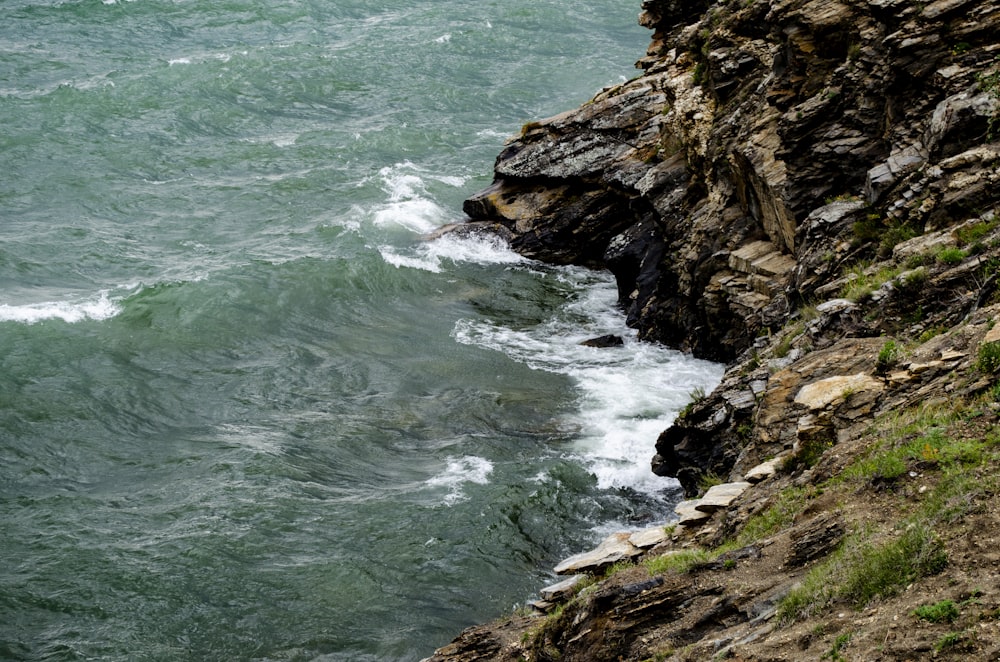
x=808 y=191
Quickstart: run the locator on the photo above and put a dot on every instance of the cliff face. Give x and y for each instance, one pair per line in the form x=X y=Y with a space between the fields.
x=765 y=148
x=705 y=183
x=807 y=190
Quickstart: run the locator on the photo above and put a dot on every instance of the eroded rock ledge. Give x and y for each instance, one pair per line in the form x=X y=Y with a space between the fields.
x=807 y=190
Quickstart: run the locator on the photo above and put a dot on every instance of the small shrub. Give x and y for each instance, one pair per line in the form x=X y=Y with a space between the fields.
x=838 y=645
x=941 y=612
x=888 y=357
x=989 y=357
x=951 y=255
x=931 y=333
x=949 y=640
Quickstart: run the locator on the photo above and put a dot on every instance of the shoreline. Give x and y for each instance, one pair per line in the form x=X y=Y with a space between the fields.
x=808 y=193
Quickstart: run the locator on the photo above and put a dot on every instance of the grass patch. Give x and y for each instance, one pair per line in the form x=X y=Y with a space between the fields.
x=941 y=612
x=775 y=517
x=862 y=571
x=708 y=480
x=861 y=281
x=678 y=562
x=974 y=233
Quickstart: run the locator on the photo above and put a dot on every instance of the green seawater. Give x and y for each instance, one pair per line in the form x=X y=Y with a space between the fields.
x=246 y=412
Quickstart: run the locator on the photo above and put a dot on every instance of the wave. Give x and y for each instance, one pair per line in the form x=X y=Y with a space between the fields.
x=100 y=308
x=432 y=255
x=468 y=469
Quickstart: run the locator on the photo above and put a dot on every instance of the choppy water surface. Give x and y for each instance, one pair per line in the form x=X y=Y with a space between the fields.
x=245 y=412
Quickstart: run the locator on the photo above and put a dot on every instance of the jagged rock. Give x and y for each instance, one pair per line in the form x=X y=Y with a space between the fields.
x=720 y=496
x=613 y=549
x=814 y=541
x=609 y=340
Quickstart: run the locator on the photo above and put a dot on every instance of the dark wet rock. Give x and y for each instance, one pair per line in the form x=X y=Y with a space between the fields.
x=609 y=340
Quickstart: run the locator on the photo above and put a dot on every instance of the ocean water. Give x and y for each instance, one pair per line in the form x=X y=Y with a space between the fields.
x=246 y=411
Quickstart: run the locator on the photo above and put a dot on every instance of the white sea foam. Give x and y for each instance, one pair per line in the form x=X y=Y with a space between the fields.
x=409 y=205
x=443 y=39
x=492 y=133
x=431 y=256
x=99 y=308
x=628 y=394
x=179 y=60
x=460 y=471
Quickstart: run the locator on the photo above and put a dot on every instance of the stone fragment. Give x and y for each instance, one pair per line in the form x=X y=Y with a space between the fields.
x=816 y=540
x=920 y=368
x=650 y=537
x=993 y=335
x=935 y=9
x=835 y=306
x=615 y=548
x=763 y=471
x=720 y=496
x=689 y=513
x=820 y=394
x=561 y=591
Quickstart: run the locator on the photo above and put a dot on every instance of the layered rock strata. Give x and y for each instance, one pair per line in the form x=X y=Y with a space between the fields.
x=764 y=148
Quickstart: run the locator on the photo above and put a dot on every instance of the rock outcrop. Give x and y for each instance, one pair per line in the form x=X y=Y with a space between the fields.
x=807 y=190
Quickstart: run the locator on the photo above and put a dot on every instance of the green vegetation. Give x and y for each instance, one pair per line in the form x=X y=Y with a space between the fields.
x=974 y=233
x=679 y=562
x=888 y=357
x=950 y=255
x=861 y=571
x=708 y=480
x=940 y=612
x=988 y=360
x=697 y=395
x=838 y=645
x=778 y=515
x=860 y=283
x=809 y=452
x=949 y=640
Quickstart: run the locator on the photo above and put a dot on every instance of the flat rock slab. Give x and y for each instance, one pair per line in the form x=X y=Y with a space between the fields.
x=650 y=537
x=561 y=591
x=763 y=471
x=720 y=496
x=615 y=548
x=820 y=394
x=689 y=513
